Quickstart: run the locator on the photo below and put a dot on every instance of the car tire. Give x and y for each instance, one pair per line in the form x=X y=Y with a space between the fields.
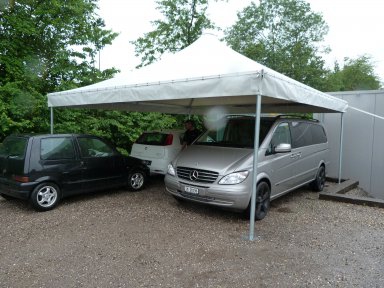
x=136 y=180
x=263 y=201
x=319 y=182
x=45 y=196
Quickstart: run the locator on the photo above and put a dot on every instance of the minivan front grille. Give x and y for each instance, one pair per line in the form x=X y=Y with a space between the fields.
x=197 y=175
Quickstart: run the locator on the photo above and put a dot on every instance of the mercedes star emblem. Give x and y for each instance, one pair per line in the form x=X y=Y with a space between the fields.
x=193 y=175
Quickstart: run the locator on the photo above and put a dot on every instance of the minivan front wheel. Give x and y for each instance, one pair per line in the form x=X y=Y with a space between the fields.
x=263 y=201
x=319 y=182
x=45 y=196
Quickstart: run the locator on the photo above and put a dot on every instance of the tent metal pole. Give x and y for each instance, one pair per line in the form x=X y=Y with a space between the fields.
x=255 y=163
x=190 y=108
x=51 y=120
x=341 y=146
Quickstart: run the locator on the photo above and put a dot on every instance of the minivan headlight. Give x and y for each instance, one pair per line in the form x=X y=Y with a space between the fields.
x=171 y=170
x=234 y=178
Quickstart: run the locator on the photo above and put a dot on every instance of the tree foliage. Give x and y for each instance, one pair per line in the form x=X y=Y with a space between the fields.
x=46 y=46
x=52 y=44
x=284 y=35
x=184 y=21
x=356 y=74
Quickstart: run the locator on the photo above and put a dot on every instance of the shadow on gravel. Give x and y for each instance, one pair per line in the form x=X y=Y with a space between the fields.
x=279 y=205
x=153 y=183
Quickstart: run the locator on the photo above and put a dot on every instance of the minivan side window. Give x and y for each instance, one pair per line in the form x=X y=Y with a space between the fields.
x=301 y=134
x=56 y=148
x=305 y=134
x=318 y=134
x=93 y=147
x=281 y=135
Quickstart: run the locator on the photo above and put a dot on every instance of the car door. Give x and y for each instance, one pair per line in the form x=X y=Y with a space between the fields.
x=306 y=142
x=102 y=164
x=282 y=166
x=58 y=161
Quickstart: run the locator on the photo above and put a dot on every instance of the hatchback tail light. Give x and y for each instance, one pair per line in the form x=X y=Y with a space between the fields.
x=169 y=140
x=22 y=179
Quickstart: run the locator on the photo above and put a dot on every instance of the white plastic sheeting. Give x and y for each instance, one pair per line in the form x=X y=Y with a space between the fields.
x=207 y=73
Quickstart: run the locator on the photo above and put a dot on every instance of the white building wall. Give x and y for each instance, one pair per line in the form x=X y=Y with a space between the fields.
x=363 y=141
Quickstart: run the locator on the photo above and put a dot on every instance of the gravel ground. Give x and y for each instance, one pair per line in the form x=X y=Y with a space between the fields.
x=148 y=239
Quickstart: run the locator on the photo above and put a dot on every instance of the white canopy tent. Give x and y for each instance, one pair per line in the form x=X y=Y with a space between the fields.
x=205 y=74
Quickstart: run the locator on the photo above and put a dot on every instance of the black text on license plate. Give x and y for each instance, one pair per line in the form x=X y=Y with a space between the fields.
x=191 y=190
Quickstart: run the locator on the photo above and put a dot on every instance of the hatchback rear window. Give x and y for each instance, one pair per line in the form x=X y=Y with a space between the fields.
x=155 y=138
x=14 y=147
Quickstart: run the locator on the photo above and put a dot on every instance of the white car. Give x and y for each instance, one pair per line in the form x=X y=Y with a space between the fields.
x=158 y=149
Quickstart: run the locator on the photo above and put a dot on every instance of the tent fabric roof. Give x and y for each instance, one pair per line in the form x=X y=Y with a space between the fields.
x=207 y=73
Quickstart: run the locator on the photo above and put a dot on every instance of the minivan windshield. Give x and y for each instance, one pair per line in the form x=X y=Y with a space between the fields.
x=237 y=133
x=13 y=147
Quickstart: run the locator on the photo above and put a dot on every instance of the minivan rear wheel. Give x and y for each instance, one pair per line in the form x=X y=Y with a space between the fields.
x=45 y=196
x=319 y=182
x=263 y=201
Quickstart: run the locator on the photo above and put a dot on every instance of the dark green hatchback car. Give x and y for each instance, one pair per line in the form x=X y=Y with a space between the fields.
x=45 y=168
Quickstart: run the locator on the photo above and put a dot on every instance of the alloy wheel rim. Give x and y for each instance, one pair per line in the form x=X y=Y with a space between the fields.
x=137 y=180
x=46 y=196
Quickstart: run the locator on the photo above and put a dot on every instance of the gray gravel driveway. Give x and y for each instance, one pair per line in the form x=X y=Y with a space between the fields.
x=148 y=239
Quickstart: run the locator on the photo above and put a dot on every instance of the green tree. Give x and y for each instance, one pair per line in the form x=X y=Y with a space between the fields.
x=52 y=44
x=356 y=74
x=46 y=46
x=184 y=21
x=284 y=35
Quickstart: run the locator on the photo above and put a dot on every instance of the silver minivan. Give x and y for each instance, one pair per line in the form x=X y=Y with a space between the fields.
x=217 y=168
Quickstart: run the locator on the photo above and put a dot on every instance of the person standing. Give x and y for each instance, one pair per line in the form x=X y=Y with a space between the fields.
x=191 y=133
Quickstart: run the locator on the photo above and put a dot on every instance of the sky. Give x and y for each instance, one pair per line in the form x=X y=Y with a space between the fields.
x=354 y=28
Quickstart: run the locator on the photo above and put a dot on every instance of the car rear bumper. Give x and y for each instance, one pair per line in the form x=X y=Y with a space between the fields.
x=156 y=166
x=16 y=189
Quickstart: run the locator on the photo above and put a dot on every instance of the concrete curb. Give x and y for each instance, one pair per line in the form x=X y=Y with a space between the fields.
x=337 y=193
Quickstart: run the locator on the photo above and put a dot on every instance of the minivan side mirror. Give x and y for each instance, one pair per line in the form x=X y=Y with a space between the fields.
x=283 y=148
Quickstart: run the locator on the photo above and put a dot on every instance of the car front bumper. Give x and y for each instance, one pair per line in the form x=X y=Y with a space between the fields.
x=234 y=197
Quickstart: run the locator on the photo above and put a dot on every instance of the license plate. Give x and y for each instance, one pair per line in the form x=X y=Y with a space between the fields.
x=191 y=190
